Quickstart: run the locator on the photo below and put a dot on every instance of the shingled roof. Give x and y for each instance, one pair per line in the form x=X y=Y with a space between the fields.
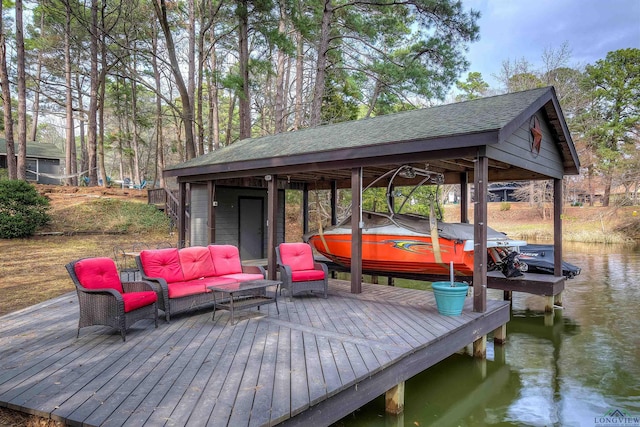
x=35 y=150
x=460 y=125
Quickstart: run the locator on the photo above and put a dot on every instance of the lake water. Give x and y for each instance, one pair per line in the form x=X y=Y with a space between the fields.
x=569 y=368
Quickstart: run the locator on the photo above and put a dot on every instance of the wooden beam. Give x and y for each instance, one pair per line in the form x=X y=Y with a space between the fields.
x=464 y=197
x=480 y=235
x=334 y=202
x=272 y=226
x=305 y=208
x=356 y=230
x=182 y=214
x=557 y=227
x=211 y=221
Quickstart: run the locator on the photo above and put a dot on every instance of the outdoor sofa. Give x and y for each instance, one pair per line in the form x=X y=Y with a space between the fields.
x=181 y=276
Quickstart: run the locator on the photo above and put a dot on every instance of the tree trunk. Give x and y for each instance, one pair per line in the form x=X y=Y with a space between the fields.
x=84 y=152
x=187 y=108
x=214 y=114
x=374 y=98
x=232 y=106
x=321 y=64
x=36 y=92
x=608 y=179
x=279 y=107
x=101 y=169
x=6 y=101
x=22 y=95
x=191 y=72
x=244 y=102
x=297 y=121
x=159 y=134
x=92 y=131
x=202 y=58
x=70 y=142
x=134 y=136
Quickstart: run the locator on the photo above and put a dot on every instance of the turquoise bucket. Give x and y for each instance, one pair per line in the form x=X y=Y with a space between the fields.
x=450 y=299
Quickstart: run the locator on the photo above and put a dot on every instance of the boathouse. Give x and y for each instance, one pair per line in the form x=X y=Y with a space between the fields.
x=519 y=136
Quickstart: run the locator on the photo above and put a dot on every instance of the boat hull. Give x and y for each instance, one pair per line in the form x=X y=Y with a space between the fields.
x=392 y=253
x=540 y=259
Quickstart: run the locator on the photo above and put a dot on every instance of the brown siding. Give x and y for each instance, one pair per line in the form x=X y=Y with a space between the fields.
x=516 y=150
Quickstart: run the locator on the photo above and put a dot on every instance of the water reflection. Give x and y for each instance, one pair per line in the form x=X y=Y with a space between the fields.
x=564 y=368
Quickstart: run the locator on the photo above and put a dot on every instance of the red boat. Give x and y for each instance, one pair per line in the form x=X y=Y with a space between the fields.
x=405 y=243
x=411 y=243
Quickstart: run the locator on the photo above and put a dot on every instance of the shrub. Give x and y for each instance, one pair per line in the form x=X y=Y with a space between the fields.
x=505 y=206
x=22 y=209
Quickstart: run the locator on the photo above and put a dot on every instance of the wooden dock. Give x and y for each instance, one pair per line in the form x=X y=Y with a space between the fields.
x=316 y=362
x=545 y=285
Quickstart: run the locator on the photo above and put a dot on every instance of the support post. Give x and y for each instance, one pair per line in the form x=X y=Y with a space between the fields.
x=464 y=198
x=356 y=230
x=334 y=202
x=272 y=225
x=480 y=347
x=557 y=299
x=182 y=221
x=305 y=208
x=557 y=226
x=548 y=306
x=394 y=399
x=500 y=335
x=211 y=226
x=480 y=177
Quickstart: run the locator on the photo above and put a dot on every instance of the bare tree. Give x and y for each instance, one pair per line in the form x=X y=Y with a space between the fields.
x=244 y=103
x=36 y=94
x=187 y=108
x=6 y=101
x=70 y=144
x=22 y=94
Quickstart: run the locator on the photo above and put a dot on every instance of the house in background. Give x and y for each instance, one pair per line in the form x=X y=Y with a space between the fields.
x=45 y=162
x=502 y=192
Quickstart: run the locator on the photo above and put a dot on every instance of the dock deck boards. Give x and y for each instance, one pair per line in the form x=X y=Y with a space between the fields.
x=530 y=283
x=317 y=361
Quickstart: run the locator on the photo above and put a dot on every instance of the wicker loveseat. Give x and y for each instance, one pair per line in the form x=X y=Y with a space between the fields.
x=181 y=276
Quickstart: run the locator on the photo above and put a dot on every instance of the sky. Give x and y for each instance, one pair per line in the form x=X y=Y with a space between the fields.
x=514 y=29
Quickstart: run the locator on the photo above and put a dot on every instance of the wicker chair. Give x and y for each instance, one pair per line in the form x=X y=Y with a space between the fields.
x=298 y=270
x=105 y=300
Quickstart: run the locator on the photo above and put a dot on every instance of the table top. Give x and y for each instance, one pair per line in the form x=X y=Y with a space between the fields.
x=244 y=286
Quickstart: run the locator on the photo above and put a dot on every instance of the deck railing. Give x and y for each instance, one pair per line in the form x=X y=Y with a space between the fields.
x=164 y=199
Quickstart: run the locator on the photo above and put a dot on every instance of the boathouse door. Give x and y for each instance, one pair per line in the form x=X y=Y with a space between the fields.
x=251 y=227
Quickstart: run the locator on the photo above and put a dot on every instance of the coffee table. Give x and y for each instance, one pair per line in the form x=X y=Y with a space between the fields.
x=241 y=295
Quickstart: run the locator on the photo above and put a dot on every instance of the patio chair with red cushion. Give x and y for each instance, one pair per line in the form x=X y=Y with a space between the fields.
x=299 y=272
x=105 y=300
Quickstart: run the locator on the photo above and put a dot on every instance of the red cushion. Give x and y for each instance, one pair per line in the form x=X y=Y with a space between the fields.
x=164 y=263
x=226 y=259
x=307 y=275
x=244 y=277
x=135 y=300
x=182 y=289
x=298 y=256
x=196 y=262
x=98 y=273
